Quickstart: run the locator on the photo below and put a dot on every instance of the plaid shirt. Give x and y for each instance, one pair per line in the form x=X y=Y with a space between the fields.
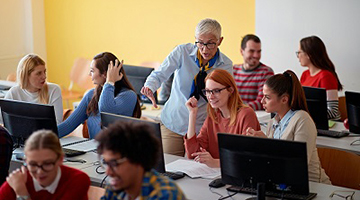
x=154 y=187
x=6 y=145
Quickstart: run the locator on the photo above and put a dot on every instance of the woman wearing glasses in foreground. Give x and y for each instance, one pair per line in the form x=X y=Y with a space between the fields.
x=44 y=176
x=226 y=114
x=283 y=95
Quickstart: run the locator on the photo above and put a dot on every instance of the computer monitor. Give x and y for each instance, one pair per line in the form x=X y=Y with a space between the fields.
x=353 y=110
x=279 y=164
x=137 y=76
x=23 y=118
x=108 y=118
x=317 y=105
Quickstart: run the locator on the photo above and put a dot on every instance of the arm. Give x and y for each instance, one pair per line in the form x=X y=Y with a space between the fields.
x=17 y=181
x=56 y=101
x=256 y=104
x=247 y=119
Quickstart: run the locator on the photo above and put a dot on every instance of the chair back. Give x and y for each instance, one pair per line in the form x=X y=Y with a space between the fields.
x=79 y=74
x=95 y=193
x=342 y=108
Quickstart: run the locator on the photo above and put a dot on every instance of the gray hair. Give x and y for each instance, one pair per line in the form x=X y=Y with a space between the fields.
x=208 y=26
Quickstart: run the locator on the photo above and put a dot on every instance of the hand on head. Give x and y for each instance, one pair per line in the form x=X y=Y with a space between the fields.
x=251 y=132
x=113 y=72
x=191 y=104
x=205 y=157
x=17 y=181
x=149 y=94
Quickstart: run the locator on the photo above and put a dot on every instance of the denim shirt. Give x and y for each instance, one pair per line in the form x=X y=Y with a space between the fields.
x=281 y=125
x=182 y=62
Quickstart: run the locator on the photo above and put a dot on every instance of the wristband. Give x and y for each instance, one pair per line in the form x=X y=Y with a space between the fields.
x=111 y=83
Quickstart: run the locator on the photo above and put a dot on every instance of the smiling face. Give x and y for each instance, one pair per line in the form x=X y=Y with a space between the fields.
x=46 y=158
x=207 y=38
x=251 y=54
x=219 y=95
x=96 y=77
x=37 y=78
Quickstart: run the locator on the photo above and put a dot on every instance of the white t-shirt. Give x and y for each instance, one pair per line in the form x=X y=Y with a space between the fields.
x=55 y=98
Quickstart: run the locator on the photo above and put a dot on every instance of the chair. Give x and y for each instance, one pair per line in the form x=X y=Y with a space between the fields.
x=79 y=75
x=342 y=108
x=95 y=193
x=342 y=167
x=11 y=77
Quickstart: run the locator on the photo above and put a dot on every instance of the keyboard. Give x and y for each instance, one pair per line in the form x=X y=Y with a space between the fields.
x=331 y=133
x=72 y=153
x=280 y=195
x=174 y=175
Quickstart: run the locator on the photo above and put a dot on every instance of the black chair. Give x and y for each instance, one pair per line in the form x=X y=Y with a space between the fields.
x=6 y=147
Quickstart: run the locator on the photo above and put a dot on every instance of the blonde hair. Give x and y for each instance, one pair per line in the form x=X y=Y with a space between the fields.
x=44 y=139
x=234 y=103
x=27 y=65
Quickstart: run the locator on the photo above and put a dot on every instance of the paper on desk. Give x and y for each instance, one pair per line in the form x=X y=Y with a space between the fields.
x=86 y=146
x=193 y=169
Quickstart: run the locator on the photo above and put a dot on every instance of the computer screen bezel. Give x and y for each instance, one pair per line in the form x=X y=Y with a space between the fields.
x=316 y=101
x=353 y=111
x=109 y=118
x=280 y=164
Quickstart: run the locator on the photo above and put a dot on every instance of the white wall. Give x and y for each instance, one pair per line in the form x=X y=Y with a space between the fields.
x=22 y=31
x=281 y=24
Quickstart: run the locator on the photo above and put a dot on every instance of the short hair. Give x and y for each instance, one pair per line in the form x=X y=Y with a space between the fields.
x=208 y=26
x=27 y=65
x=234 y=103
x=134 y=140
x=247 y=38
x=44 y=139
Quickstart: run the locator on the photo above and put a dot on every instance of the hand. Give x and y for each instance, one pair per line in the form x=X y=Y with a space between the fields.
x=191 y=105
x=113 y=71
x=206 y=158
x=17 y=180
x=251 y=132
x=149 y=94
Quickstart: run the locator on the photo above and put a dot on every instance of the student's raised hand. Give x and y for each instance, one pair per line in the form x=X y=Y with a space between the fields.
x=191 y=104
x=17 y=181
x=205 y=157
x=149 y=94
x=251 y=132
x=113 y=72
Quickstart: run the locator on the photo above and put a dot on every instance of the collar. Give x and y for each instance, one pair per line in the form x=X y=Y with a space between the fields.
x=193 y=54
x=284 y=120
x=52 y=187
x=250 y=70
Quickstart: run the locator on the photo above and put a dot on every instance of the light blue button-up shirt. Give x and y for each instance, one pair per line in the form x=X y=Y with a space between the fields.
x=282 y=124
x=182 y=61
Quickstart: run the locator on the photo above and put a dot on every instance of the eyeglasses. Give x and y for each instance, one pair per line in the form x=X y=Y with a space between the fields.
x=208 y=45
x=112 y=163
x=215 y=92
x=349 y=196
x=46 y=167
x=298 y=52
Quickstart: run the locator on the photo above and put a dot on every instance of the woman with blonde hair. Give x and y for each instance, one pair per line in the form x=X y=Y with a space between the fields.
x=44 y=176
x=226 y=114
x=32 y=86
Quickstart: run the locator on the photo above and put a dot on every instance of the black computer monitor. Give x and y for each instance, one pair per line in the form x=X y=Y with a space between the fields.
x=280 y=164
x=23 y=118
x=108 y=118
x=137 y=76
x=353 y=111
x=317 y=105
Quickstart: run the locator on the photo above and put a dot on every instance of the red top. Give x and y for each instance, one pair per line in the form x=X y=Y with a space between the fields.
x=324 y=79
x=207 y=138
x=73 y=184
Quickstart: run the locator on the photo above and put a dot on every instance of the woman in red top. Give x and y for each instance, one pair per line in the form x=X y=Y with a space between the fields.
x=226 y=114
x=44 y=176
x=321 y=73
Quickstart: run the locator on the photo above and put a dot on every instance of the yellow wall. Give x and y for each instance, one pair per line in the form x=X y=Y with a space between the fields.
x=136 y=31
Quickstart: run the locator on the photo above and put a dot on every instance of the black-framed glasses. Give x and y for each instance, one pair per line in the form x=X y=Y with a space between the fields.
x=112 y=163
x=208 y=45
x=348 y=195
x=46 y=166
x=213 y=92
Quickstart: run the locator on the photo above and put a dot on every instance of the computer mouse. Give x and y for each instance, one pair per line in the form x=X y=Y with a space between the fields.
x=216 y=183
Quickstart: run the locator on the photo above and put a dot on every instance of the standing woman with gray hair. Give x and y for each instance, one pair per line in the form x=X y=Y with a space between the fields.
x=190 y=64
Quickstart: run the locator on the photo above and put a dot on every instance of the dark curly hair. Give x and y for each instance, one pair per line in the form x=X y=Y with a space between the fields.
x=134 y=140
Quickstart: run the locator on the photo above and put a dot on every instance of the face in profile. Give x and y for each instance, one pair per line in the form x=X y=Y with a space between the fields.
x=208 y=51
x=43 y=165
x=123 y=174
x=37 y=78
x=96 y=77
x=271 y=101
x=303 y=57
x=251 y=54
x=217 y=94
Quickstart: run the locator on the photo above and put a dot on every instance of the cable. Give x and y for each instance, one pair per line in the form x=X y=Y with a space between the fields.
x=102 y=182
x=210 y=188
x=229 y=195
x=97 y=170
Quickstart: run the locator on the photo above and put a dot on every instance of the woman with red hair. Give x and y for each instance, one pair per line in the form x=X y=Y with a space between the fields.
x=226 y=114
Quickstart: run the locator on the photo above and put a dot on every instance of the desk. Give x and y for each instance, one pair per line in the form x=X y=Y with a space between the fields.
x=4 y=86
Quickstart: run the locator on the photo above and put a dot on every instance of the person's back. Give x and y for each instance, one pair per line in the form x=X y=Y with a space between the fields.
x=6 y=145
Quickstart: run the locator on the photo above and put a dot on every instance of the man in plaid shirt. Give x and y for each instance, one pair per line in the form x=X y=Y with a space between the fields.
x=129 y=151
x=6 y=145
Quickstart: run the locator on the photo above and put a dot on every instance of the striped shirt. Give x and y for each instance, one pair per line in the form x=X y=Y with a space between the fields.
x=154 y=187
x=250 y=83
